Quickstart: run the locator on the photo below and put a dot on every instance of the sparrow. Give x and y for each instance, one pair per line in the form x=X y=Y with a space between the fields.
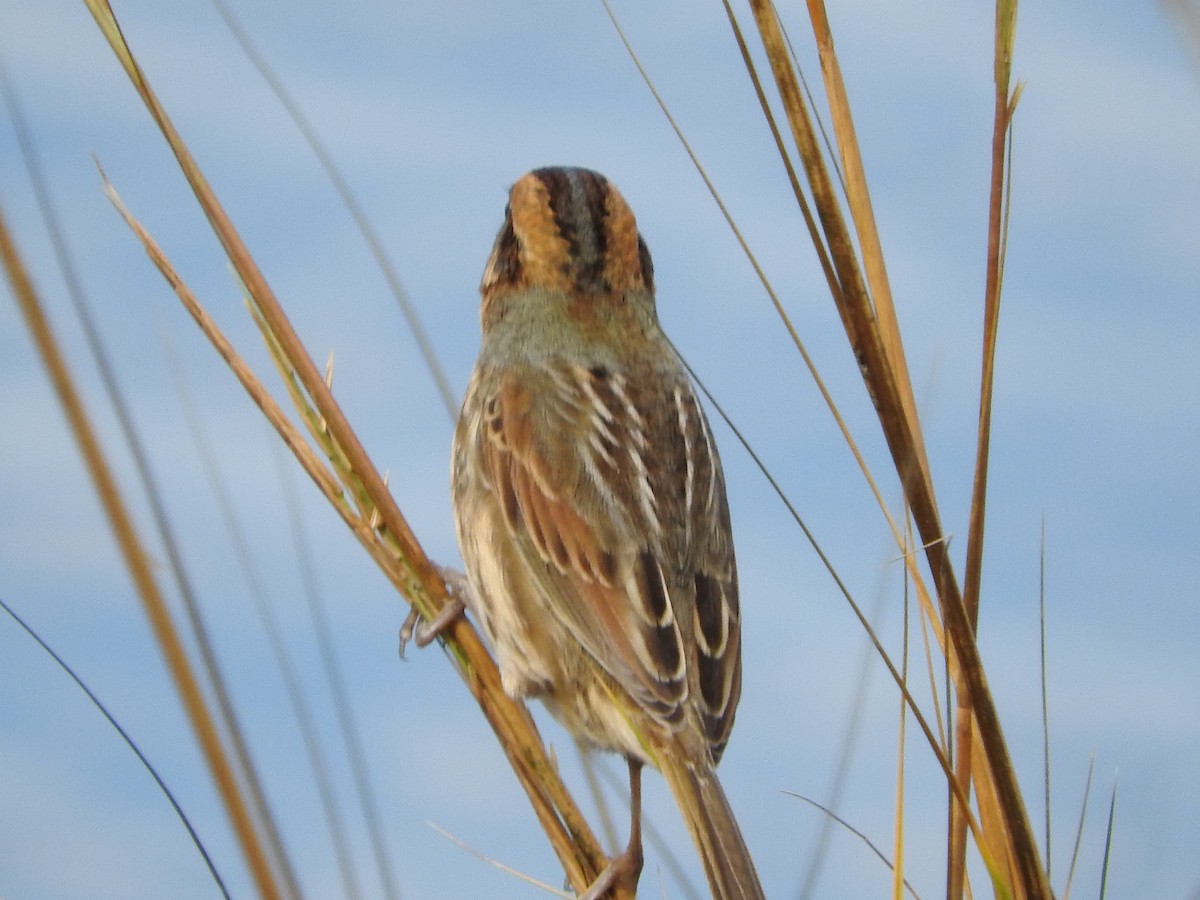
x=591 y=513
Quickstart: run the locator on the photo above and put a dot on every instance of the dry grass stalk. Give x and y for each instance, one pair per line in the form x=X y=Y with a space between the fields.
x=366 y=505
x=863 y=300
x=968 y=759
x=936 y=744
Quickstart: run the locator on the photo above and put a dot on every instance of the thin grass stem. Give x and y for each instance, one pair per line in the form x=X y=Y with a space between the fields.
x=1108 y=836
x=1045 y=692
x=1087 y=792
x=129 y=742
x=856 y=832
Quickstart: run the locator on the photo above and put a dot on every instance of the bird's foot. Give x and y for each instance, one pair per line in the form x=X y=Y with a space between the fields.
x=422 y=632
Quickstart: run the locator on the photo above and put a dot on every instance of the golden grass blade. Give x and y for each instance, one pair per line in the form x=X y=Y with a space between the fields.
x=887 y=388
x=422 y=571
x=1000 y=178
x=138 y=563
x=996 y=830
x=855 y=308
x=836 y=237
x=258 y=393
x=808 y=96
x=926 y=624
x=416 y=576
x=929 y=612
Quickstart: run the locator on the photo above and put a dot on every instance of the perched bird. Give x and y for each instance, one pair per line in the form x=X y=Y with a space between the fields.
x=591 y=512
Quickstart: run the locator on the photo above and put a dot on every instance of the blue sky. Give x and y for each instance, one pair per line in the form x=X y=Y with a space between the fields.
x=432 y=111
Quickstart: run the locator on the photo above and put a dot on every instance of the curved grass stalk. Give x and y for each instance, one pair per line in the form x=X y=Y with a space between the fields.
x=130 y=743
x=864 y=304
x=357 y=490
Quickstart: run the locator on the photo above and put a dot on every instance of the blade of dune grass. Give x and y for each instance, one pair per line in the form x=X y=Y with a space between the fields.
x=381 y=527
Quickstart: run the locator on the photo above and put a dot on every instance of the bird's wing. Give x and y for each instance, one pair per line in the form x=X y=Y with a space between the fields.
x=610 y=486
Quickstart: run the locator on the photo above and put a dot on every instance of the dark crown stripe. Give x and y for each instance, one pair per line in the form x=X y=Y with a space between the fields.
x=579 y=202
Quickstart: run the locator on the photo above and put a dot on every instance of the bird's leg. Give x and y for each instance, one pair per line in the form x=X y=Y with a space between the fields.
x=423 y=633
x=625 y=869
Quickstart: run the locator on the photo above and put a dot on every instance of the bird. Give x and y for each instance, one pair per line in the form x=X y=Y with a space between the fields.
x=591 y=511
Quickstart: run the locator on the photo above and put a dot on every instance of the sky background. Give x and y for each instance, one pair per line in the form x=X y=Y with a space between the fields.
x=432 y=111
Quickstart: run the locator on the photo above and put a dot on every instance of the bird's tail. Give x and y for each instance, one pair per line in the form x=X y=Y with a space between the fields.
x=714 y=830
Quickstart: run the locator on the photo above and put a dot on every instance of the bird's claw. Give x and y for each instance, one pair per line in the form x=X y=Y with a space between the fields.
x=422 y=632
